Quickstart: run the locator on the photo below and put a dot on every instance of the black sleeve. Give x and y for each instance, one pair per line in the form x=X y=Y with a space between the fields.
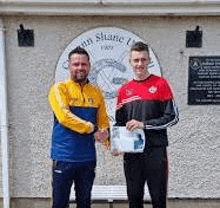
x=169 y=117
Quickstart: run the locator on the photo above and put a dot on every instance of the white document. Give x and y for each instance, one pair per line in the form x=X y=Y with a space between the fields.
x=126 y=141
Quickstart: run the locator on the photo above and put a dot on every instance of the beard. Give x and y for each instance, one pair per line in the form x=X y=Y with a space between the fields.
x=79 y=77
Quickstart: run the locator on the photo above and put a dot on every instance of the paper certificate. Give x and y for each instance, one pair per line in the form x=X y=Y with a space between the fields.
x=126 y=141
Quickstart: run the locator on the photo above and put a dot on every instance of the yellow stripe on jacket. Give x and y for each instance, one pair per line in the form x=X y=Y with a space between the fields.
x=69 y=94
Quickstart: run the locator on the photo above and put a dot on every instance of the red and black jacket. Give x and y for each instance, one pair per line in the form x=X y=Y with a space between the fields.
x=150 y=101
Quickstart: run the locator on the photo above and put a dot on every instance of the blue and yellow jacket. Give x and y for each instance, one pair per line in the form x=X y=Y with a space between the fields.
x=75 y=108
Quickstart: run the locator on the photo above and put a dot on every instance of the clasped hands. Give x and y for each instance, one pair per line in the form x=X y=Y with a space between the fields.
x=101 y=135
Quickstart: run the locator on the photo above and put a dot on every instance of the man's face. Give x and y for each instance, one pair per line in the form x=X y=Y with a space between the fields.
x=79 y=67
x=139 y=61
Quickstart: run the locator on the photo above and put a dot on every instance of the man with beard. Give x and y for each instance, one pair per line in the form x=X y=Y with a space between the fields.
x=80 y=117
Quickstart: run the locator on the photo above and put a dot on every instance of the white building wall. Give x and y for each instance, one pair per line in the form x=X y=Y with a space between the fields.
x=194 y=141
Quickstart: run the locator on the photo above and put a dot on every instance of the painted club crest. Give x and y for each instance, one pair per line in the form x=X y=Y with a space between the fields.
x=109 y=49
x=152 y=89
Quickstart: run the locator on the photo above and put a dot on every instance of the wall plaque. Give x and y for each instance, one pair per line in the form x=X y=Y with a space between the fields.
x=204 y=80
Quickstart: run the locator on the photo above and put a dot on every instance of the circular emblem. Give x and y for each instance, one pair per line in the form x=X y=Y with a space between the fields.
x=108 y=48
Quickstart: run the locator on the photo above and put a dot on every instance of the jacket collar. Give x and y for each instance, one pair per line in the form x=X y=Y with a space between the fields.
x=76 y=83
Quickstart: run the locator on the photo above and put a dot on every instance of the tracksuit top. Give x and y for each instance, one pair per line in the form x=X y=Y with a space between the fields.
x=74 y=107
x=150 y=101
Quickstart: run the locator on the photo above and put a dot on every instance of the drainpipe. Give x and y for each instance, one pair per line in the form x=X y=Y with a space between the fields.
x=4 y=119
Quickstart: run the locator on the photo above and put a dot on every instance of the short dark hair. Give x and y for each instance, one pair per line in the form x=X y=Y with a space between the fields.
x=139 y=46
x=78 y=50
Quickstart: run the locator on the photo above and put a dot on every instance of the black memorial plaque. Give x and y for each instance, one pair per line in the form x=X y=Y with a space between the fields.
x=204 y=80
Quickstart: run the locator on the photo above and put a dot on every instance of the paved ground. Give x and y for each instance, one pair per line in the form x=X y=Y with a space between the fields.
x=174 y=203
x=170 y=204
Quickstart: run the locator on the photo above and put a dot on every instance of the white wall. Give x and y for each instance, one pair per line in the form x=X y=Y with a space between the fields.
x=194 y=142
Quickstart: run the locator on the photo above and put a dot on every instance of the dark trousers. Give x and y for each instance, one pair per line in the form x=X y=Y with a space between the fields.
x=151 y=167
x=64 y=174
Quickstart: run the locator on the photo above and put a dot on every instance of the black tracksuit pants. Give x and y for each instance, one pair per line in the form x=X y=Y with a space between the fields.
x=151 y=167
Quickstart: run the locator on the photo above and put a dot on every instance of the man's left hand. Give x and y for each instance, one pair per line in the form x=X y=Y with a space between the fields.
x=101 y=135
x=133 y=124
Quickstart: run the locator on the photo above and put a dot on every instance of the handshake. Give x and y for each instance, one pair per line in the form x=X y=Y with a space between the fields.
x=101 y=135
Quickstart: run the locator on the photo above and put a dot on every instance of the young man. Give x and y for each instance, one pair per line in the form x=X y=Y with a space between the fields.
x=146 y=102
x=79 y=115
